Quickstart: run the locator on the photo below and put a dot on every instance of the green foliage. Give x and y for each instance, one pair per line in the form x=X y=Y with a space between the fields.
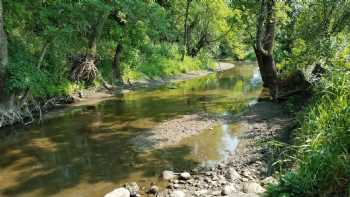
x=323 y=142
x=150 y=33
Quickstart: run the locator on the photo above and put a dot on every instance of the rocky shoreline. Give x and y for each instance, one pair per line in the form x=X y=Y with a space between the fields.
x=246 y=173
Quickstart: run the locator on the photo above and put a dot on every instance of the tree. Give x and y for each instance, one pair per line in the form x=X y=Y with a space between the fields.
x=3 y=53
x=186 y=32
x=265 y=36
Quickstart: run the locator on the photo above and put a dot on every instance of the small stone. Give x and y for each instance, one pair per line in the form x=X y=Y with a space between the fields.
x=168 y=175
x=228 y=189
x=185 y=175
x=252 y=187
x=215 y=193
x=120 y=192
x=269 y=180
x=176 y=186
x=177 y=193
x=232 y=174
x=247 y=174
x=201 y=192
x=153 y=190
x=220 y=166
x=175 y=181
x=133 y=188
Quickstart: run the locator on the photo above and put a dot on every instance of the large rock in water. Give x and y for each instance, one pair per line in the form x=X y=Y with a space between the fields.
x=252 y=187
x=120 y=192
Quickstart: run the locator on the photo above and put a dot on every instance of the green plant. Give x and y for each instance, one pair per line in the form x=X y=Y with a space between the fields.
x=323 y=142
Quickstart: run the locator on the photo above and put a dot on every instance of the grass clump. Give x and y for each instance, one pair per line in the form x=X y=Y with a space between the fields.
x=323 y=143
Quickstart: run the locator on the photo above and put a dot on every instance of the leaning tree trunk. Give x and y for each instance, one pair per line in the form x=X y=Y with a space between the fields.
x=116 y=64
x=265 y=37
x=3 y=53
x=267 y=69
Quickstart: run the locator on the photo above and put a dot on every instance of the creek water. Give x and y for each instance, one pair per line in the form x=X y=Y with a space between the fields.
x=88 y=151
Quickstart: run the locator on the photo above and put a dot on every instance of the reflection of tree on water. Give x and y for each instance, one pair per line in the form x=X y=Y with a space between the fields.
x=92 y=145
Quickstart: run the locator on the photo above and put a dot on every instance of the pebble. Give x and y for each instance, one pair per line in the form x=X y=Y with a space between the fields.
x=228 y=189
x=177 y=193
x=269 y=180
x=168 y=175
x=252 y=187
x=185 y=175
x=120 y=192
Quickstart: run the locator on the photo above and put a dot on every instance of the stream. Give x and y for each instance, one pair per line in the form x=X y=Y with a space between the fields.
x=89 y=150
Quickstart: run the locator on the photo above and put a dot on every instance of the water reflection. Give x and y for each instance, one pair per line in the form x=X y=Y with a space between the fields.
x=88 y=152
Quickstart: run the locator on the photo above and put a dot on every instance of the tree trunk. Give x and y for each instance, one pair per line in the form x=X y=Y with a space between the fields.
x=265 y=37
x=3 y=53
x=185 y=36
x=267 y=69
x=116 y=63
x=95 y=35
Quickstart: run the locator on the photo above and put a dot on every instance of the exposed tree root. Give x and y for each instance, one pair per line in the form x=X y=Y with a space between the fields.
x=27 y=110
x=83 y=68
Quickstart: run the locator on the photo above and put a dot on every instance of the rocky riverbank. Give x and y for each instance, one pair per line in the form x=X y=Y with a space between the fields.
x=247 y=172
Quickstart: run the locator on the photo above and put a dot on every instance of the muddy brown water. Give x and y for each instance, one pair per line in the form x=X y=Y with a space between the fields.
x=88 y=151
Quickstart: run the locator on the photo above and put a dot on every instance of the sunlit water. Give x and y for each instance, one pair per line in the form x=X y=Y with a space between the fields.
x=88 y=151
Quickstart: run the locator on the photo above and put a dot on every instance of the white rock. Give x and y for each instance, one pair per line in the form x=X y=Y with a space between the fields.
x=201 y=192
x=247 y=174
x=168 y=175
x=228 y=189
x=269 y=180
x=185 y=175
x=133 y=188
x=176 y=186
x=240 y=194
x=177 y=193
x=120 y=192
x=252 y=187
x=232 y=174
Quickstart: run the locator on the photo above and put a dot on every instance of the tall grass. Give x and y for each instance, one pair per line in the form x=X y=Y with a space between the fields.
x=323 y=143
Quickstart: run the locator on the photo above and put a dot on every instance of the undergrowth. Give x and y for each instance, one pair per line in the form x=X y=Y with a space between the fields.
x=321 y=143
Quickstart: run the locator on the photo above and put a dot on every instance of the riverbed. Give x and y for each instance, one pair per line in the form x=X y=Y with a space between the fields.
x=91 y=149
